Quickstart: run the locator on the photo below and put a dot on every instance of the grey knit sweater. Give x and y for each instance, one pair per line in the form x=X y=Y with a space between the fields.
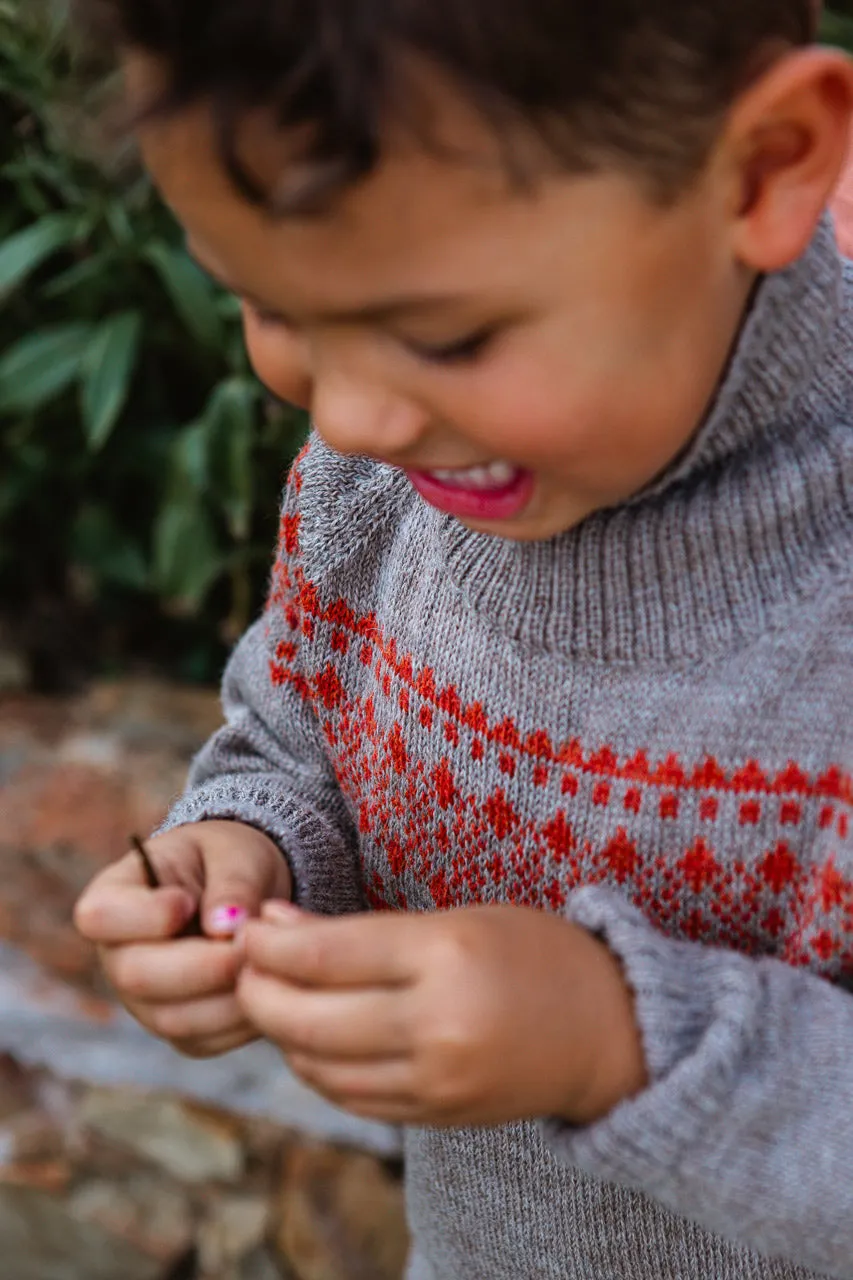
x=646 y=725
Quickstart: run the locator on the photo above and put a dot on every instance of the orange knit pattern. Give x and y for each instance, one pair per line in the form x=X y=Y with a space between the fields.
x=468 y=845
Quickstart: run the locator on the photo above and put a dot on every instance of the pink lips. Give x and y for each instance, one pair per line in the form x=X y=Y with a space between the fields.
x=475 y=504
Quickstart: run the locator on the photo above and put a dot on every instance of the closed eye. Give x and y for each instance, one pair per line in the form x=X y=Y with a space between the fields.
x=266 y=318
x=462 y=351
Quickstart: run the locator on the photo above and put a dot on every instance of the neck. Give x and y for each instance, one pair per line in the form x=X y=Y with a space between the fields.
x=744 y=521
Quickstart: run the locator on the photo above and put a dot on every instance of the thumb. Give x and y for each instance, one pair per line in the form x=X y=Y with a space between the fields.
x=242 y=869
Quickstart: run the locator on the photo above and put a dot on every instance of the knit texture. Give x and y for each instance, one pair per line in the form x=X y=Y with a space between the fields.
x=645 y=725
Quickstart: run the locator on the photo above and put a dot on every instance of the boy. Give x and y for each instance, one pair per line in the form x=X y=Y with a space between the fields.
x=555 y=671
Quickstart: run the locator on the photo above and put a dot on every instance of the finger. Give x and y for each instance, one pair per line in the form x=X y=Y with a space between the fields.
x=347 y=1084
x=396 y=1111
x=350 y=951
x=243 y=868
x=186 y=969
x=326 y=1023
x=218 y=1045
x=212 y=1018
x=390 y=1111
x=126 y=871
x=116 y=909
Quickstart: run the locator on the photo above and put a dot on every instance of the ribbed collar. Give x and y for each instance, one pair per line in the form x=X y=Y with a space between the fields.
x=748 y=518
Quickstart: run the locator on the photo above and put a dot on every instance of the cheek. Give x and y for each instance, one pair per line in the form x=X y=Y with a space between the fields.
x=278 y=360
x=533 y=411
x=607 y=432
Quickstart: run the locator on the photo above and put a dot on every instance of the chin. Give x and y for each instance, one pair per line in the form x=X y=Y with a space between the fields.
x=525 y=530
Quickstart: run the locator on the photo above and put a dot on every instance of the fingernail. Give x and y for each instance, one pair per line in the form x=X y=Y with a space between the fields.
x=228 y=919
x=284 y=912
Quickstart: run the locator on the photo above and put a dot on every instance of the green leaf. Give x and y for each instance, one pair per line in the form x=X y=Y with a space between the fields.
x=30 y=195
x=231 y=411
x=21 y=253
x=190 y=456
x=192 y=294
x=837 y=29
x=229 y=306
x=119 y=223
x=96 y=267
x=16 y=487
x=108 y=368
x=186 y=558
x=107 y=551
x=38 y=367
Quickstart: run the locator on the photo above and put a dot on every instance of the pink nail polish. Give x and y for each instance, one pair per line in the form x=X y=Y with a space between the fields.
x=228 y=919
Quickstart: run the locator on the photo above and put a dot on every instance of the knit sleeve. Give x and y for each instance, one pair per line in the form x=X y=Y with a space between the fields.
x=267 y=766
x=747 y=1126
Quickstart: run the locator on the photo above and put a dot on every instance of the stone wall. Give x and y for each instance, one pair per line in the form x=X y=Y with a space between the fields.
x=118 y=1157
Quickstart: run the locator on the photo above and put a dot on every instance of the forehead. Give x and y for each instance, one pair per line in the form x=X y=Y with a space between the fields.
x=417 y=195
x=427 y=216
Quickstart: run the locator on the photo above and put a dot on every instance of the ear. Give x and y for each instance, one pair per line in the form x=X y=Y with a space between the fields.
x=786 y=140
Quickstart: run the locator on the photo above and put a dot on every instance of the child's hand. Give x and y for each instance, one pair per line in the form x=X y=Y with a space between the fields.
x=183 y=989
x=473 y=1017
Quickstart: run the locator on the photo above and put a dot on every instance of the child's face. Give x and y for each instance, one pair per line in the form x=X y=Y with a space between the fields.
x=438 y=319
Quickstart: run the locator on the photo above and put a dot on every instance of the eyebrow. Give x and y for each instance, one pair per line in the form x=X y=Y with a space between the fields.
x=369 y=313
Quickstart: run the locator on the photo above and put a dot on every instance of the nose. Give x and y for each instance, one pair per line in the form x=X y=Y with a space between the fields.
x=278 y=358
x=359 y=417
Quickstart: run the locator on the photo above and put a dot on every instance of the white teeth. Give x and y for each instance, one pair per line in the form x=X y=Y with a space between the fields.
x=497 y=475
x=501 y=473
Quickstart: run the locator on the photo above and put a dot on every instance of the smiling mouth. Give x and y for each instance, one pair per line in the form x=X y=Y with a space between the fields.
x=495 y=491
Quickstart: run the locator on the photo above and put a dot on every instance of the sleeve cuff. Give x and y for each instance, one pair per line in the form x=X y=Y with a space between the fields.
x=325 y=872
x=692 y=1006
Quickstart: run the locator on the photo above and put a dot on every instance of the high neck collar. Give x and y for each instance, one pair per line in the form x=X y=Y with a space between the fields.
x=708 y=555
x=782 y=342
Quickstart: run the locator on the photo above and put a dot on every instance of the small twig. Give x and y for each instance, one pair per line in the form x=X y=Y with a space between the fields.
x=150 y=871
x=192 y=929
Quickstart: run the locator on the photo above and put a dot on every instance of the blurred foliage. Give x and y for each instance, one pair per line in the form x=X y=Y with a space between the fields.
x=140 y=461
x=838 y=23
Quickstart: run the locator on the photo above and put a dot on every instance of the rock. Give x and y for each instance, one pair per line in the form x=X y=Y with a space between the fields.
x=77 y=776
x=235 y=1228
x=152 y=715
x=46 y=1022
x=260 y=1265
x=340 y=1216
x=193 y=1144
x=32 y=1141
x=154 y=1216
x=101 y=1178
x=52 y=1175
x=41 y=1240
x=17 y=1089
x=29 y=1135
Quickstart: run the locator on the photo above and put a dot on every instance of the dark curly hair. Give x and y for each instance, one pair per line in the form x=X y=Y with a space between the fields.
x=645 y=83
